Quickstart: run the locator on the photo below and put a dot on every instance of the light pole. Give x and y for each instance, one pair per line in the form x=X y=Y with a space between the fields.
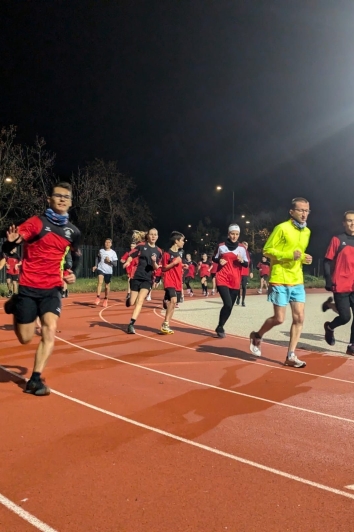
x=218 y=188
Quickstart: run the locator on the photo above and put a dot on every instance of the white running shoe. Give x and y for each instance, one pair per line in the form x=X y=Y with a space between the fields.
x=294 y=362
x=148 y=297
x=255 y=344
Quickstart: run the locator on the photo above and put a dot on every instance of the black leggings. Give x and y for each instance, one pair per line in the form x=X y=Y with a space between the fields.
x=244 y=280
x=187 y=281
x=344 y=302
x=228 y=296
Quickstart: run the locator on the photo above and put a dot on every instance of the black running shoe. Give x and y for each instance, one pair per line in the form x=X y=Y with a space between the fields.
x=238 y=301
x=130 y=329
x=10 y=305
x=325 y=305
x=220 y=331
x=37 y=388
x=329 y=334
x=350 y=350
x=243 y=304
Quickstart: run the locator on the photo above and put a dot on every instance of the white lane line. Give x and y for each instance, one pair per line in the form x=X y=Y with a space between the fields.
x=198 y=445
x=26 y=516
x=199 y=383
x=256 y=361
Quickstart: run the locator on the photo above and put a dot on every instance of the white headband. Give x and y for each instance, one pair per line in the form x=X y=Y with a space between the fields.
x=234 y=227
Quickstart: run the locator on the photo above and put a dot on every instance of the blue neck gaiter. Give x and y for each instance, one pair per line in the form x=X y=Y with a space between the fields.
x=56 y=219
x=298 y=224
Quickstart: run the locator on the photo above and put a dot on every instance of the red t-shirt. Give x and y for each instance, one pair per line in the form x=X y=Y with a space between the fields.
x=44 y=248
x=263 y=268
x=172 y=278
x=191 y=269
x=12 y=259
x=214 y=267
x=204 y=269
x=341 y=251
x=230 y=274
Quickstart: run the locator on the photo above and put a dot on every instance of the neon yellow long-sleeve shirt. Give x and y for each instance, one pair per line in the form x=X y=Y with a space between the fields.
x=280 y=247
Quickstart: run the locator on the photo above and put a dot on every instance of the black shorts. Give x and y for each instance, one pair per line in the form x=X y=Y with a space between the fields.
x=157 y=279
x=33 y=302
x=139 y=284
x=212 y=275
x=265 y=277
x=106 y=276
x=172 y=292
x=12 y=277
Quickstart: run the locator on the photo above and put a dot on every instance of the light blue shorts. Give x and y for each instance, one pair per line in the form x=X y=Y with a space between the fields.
x=283 y=295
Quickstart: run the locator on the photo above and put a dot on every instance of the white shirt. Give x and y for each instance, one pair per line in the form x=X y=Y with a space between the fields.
x=102 y=265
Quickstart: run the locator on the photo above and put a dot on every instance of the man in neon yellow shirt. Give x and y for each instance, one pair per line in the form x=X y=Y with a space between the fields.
x=286 y=248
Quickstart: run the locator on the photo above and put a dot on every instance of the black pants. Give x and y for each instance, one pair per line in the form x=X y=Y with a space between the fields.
x=344 y=302
x=187 y=281
x=228 y=296
x=244 y=280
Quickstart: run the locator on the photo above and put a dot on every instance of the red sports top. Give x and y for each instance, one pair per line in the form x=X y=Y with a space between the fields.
x=44 y=248
x=264 y=268
x=172 y=278
x=341 y=251
x=204 y=269
x=12 y=259
x=230 y=274
x=214 y=267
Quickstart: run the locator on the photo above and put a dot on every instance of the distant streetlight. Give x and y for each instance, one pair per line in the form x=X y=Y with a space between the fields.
x=201 y=240
x=242 y=216
x=218 y=188
x=8 y=179
x=247 y=222
x=189 y=225
x=206 y=234
x=97 y=212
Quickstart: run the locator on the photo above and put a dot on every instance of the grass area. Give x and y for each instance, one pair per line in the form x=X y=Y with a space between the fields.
x=120 y=284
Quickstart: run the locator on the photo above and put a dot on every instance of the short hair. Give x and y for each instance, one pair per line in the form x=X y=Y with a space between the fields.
x=345 y=215
x=152 y=229
x=108 y=239
x=175 y=235
x=62 y=184
x=294 y=201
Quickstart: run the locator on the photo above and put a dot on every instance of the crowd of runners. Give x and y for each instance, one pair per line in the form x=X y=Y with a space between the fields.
x=51 y=260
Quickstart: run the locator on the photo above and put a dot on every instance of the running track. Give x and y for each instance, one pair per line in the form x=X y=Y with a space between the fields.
x=172 y=434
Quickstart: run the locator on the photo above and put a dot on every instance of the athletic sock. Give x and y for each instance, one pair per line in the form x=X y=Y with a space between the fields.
x=290 y=354
x=36 y=376
x=132 y=322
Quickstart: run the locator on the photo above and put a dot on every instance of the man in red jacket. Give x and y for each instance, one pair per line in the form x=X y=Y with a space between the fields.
x=45 y=239
x=339 y=276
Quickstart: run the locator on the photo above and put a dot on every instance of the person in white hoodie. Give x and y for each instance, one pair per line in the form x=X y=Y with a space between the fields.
x=105 y=260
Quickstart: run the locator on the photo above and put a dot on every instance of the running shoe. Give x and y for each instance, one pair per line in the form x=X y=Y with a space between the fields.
x=255 y=344
x=259 y=291
x=37 y=387
x=131 y=329
x=105 y=303
x=148 y=297
x=165 y=328
x=243 y=304
x=329 y=334
x=326 y=304
x=350 y=350
x=220 y=331
x=237 y=301
x=98 y=300
x=182 y=299
x=213 y=292
x=9 y=306
x=294 y=362
x=191 y=294
x=177 y=305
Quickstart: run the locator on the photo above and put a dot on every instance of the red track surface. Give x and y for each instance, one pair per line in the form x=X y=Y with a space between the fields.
x=179 y=433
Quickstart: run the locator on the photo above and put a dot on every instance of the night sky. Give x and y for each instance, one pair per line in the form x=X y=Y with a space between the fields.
x=257 y=96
